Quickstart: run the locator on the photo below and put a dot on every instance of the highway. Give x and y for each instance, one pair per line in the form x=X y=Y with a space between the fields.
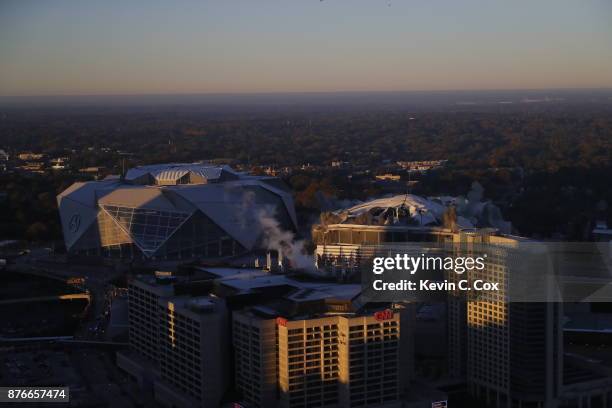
x=91 y=353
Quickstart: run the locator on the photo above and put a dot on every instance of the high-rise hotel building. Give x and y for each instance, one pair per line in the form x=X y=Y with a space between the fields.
x=510 y=352
x=144 y=299
x=277 y=341
x=255 y=341
x=192 y=345
x=177 y=343
x=334 y=360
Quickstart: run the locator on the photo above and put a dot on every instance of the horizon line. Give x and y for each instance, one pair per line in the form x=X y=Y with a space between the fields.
x=255 y=93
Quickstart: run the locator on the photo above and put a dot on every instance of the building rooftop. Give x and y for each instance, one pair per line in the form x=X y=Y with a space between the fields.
x=179 y=173
x=244 y=281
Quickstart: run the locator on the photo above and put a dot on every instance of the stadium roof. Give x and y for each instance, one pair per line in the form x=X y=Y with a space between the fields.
x=409 y=209
x=231 y=200
x=420 y=209
x=172 y=173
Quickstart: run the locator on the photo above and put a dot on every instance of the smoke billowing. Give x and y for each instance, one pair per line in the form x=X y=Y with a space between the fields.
x=277 y=239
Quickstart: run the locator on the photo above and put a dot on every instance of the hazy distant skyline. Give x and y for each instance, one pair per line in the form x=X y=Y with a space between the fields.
x=61 y=47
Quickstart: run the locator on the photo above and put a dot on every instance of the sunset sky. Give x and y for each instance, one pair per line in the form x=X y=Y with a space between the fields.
x=58 y=47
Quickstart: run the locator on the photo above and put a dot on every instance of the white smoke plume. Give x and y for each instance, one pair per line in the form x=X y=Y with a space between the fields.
x=244 y=214
x=277 y=239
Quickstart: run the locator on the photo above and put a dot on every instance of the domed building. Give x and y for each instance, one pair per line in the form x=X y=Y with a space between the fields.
x=172 y=211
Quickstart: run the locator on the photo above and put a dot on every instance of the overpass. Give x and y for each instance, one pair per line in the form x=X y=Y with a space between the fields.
x=71 y=296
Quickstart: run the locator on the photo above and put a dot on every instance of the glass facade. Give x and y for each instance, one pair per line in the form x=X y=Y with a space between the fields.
x=197 y=236
x=110 y=233
x=148 y=227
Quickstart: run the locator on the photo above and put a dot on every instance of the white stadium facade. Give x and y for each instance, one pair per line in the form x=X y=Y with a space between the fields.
x=172 y=211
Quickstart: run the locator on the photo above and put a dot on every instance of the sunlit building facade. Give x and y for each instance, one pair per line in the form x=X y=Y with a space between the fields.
x=265 y=340
x=172 y=211
x=509 y=354
x=332 y=360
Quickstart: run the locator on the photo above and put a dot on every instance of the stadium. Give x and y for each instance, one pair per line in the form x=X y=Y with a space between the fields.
x=172 y=211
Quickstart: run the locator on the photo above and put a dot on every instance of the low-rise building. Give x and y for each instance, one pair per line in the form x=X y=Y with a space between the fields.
x=59 y=163
x=29 y=156
x=388 y=177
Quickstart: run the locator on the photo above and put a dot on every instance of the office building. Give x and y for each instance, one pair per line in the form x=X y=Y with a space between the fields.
x=509 y=353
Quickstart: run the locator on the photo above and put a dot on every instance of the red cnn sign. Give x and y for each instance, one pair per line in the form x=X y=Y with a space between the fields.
x=281 y=321
x=383 y=315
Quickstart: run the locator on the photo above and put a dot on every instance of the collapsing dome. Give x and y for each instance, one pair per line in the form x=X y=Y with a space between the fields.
x=412 y=210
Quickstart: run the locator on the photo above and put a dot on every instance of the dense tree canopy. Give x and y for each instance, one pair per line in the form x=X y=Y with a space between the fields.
x=546 y=168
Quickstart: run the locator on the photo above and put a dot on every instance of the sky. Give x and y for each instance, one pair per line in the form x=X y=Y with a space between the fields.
x=61 y=47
